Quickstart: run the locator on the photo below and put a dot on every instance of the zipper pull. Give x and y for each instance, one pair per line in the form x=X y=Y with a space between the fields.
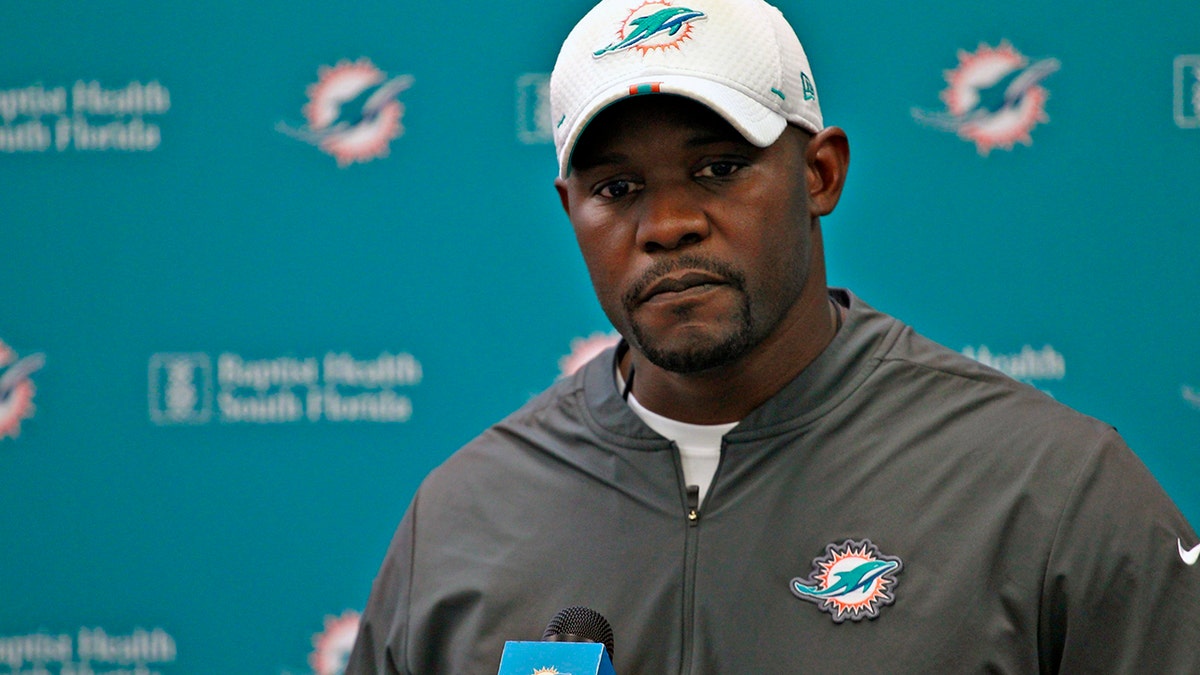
x=693 y=500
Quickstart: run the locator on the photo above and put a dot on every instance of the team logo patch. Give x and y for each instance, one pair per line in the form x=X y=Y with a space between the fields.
x=16 y=389
x=995 y=98
x=353 y=112
x=852 y=580
x=651 y=26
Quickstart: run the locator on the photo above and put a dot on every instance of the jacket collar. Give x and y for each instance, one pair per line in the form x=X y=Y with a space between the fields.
x=853 y=354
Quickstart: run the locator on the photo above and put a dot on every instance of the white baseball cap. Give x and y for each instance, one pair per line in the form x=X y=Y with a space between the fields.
x=740 y=58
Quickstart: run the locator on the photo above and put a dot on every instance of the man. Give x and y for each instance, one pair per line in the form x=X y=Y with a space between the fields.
x=766 y=475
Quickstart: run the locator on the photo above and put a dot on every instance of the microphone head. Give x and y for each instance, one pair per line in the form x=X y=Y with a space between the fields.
x=580 y=624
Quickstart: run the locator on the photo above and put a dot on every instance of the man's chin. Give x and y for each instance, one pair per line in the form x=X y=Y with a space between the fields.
x=709 y=335
x=692 y=354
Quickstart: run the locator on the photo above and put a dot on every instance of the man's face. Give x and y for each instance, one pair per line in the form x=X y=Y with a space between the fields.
x=698 y=243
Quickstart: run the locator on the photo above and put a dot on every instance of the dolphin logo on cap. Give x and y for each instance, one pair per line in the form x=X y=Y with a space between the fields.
x=668 y=20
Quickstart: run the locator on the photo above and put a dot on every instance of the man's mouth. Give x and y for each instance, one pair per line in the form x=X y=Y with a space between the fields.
x=681 y=285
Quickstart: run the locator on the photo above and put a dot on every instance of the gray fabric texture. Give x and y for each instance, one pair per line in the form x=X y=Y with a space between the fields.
x=1032 y=539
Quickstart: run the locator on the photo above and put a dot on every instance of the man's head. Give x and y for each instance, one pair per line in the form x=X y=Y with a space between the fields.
x=738 y=57
x=694 y=170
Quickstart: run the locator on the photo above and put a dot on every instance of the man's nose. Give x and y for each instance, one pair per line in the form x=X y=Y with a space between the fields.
x=670 y=219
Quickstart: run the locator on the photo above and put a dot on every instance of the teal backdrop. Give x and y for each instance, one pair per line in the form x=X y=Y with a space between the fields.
x=239 y=321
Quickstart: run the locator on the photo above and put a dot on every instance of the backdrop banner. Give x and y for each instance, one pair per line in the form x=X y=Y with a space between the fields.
x=266 y=264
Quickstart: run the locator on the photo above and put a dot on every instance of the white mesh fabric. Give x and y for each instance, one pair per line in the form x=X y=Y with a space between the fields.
x=741 y=59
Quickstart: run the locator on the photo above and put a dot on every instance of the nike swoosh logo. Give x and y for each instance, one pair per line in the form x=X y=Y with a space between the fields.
x=1189 y=557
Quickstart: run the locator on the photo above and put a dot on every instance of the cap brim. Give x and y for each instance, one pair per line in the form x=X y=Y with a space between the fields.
x=757 y=123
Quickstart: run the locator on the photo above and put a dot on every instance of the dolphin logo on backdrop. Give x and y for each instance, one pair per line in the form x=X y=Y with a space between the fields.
x=1192 y=396
x=584 y=349
x=653 y=25
x=353 y=112
x=995 y=98
x=332 y=646
x=16 y=389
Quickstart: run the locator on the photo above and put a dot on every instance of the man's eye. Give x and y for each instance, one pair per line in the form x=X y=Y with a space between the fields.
x=719 y=169
x=616 y=189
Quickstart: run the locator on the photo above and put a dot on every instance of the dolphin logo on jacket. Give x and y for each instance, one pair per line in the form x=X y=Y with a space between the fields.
x=856 y=579
x=852 y=580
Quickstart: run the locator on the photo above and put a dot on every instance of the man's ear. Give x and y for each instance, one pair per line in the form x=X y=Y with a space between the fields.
x=561 y=186
x=827 y=158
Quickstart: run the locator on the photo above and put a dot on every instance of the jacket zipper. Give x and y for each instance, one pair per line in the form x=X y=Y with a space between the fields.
x=693 y=503
x=691 y=536
x=689 y=577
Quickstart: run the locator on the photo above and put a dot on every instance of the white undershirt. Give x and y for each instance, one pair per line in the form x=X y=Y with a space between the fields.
x=699 y=444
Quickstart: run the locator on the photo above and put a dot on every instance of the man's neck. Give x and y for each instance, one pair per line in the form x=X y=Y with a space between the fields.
x=730 y=392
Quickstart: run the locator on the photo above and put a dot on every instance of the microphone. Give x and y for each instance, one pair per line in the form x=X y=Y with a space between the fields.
x=578 y=641
x=580 y=624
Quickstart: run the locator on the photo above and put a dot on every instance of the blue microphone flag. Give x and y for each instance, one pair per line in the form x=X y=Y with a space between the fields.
x=555 y=658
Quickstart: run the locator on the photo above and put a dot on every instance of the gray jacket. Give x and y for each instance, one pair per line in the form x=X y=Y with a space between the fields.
x=1012 y=534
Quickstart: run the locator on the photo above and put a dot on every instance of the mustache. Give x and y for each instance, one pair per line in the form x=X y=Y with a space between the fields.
x=665 y=266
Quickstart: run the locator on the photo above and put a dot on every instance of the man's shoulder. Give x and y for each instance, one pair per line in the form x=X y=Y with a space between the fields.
x=523 y=439
x=943 y=385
